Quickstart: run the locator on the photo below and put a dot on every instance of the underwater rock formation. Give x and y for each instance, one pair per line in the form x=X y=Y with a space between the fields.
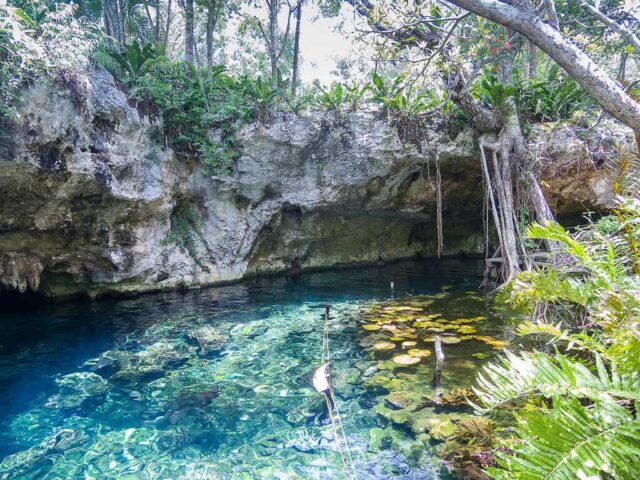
x=92 y=197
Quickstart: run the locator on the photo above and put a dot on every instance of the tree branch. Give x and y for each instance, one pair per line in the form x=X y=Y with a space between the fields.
x=621 y=30
x=593 y=78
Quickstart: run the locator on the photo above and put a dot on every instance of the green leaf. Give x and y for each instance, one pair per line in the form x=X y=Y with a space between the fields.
x=518 y=377
x=572 y=441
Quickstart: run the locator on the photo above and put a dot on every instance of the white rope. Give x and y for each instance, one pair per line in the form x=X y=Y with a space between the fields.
x=336 y=420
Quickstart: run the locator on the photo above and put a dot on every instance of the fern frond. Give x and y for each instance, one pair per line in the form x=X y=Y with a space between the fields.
x=542 y=328
x=517 y=377
x=555 y=232
x=571 y=441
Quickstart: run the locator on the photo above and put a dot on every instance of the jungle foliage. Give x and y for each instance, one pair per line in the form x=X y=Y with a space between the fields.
x=575 y=400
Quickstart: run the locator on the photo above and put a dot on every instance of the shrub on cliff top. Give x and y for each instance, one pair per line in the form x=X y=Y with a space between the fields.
x=200 y=117
x=30 y=46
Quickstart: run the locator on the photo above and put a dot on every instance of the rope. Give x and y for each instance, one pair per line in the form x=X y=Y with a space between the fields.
x=336 y=420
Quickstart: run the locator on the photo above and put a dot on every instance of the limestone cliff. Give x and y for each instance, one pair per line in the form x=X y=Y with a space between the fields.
x=91 y=196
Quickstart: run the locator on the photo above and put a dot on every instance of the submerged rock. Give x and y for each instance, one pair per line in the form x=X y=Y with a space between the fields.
x=75 y=388
x=189 y=404
x=209 y=339
x=399 y=399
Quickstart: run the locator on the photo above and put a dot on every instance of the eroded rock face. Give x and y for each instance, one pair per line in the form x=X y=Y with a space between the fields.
x=580 y=167
x=89 y=191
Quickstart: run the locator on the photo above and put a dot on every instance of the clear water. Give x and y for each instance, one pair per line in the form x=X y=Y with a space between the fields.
x=122 y=390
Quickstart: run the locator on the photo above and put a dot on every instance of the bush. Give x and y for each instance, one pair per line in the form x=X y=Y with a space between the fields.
x=340 y=97
x=48 y=39
x=200 y=117
x=553 y=98
x=186 y=231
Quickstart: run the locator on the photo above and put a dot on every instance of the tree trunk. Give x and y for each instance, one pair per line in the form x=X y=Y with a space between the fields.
x=552 y=15
x=533 y=61
x=122 y=29
x=273 y=41
x=148 y=13
x=106 y=21
x=212 y=17
x=622 y=69
x=113 y=11
x=167 y=26
x=296 y=49
x=158 y=22
x=593 y=78
x=188 y=31
x=621 y=30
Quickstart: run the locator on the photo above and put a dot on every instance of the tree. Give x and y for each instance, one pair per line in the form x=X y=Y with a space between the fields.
x=501 y=141
x=593 y=78
x=296 y=48
x=214 y=9
x=189 y=43
x=274 y=43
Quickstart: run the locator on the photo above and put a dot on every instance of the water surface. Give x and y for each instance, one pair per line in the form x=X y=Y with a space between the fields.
x=139 y=388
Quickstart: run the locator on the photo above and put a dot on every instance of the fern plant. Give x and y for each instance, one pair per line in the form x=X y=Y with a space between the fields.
x=569 y=441
x=492 y=91
x=574 y=406
x=552 y=97
x=135 y=59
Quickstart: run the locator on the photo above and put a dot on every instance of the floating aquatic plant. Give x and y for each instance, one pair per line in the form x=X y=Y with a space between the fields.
x=406 y=360
x=419 y=352
x=384 y=346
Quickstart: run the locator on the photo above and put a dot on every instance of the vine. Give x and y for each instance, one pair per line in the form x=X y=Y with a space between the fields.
x=186 y=231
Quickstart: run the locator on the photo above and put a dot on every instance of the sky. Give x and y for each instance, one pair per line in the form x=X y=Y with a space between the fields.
x=321 y=44
x=321 y=41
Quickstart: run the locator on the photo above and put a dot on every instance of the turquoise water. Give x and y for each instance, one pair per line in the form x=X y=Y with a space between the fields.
x=214 y=383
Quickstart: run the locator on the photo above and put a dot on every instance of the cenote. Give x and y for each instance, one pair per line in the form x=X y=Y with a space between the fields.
x=216 y=383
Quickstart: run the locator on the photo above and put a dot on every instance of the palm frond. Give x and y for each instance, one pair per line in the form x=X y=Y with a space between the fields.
x=572 y=441
x=517 y=377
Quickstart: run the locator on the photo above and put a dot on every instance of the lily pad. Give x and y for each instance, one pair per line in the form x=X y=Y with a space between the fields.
x=498 y=344
x=406 y=360
x=401 y=309
x=467 y=329
x=371 y=327
x=425 y=324
x=451 y=340
x=461 y=321
x=384 y=346
x=409 y=343
x=407 y=335
x=418 y=352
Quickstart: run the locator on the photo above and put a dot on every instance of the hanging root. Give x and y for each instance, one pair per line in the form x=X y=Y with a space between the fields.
x=497 y=181
x=439 y=208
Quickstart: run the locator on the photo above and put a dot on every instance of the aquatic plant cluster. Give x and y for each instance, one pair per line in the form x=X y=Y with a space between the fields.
x=400 y=335
x=412 y=321
x=229 y=395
